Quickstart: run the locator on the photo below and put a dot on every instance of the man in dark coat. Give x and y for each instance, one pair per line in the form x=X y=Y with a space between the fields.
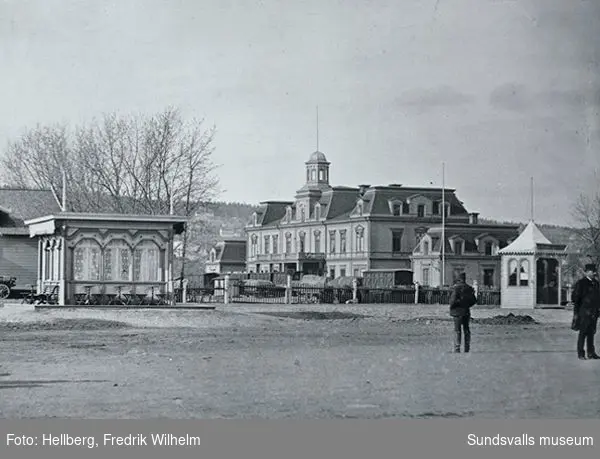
x=461 y=301
x=586 y=309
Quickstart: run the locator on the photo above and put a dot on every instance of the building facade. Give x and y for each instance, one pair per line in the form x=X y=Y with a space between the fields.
x=19 y=252
x=470 y=248
x=227 y=256
x=344 y=231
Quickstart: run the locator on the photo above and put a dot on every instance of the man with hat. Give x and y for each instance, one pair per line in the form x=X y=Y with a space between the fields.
x=462 y=299
x=586 y=309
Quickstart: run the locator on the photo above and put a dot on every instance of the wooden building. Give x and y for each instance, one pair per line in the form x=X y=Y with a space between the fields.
x=97 y=256
x=531 y=270
x=18 y=252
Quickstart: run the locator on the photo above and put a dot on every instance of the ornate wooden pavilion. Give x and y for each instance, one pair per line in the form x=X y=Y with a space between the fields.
x=86 y=258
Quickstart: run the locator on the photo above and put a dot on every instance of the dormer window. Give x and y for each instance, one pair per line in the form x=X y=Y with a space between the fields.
x=436 y=208
x=395 y=208
x=425 y=247
x=212 y=255
x=288 y=214
x=254 y=219
x=359 y=207
x=421 y=210
x=459 y=247
x=405 y=208
x=489 y=248
x=317 y=211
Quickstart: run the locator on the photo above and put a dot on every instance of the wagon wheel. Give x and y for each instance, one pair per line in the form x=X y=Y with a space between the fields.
x=4 y=291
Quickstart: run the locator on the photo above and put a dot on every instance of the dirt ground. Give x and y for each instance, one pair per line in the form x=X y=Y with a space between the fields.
x=303 y=362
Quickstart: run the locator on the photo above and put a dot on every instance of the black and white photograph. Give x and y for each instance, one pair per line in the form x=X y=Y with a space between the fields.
x=299 y=210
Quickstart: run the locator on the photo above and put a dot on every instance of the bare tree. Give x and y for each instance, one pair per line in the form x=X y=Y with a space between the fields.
x=587 y=214
x=155 y=164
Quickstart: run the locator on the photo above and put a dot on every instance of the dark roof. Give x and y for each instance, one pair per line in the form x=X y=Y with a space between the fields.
x=231 y=250
x=378 y=197
x=469 y=233
x=26 y=204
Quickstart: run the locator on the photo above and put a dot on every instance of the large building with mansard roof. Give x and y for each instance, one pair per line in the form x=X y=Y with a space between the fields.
x=345 y=230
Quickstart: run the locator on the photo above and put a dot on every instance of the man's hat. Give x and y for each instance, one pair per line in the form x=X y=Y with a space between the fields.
x=462 y=277
x=591 y=267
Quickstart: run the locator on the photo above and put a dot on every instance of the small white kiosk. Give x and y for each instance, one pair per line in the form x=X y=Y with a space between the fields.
x=531 y=271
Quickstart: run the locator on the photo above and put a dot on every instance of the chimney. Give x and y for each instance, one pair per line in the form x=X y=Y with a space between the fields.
x=473 y=218
x=362 y=189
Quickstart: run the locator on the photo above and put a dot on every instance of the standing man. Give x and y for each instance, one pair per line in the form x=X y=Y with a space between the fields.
x=586 y=308
x=461 y=301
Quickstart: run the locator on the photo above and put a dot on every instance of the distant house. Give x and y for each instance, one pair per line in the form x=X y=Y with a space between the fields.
x=227 y=256
x=471 y=248
x=19 y=252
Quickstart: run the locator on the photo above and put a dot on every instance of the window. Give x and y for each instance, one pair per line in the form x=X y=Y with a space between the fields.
x=254 y=245
x=275 y=243
x=254 y=219
x=524 y=273
x=342 y=241
x=342 y=272
x=313 y=174
x=301 y=240
x=512 y=272
x=425 y=276
x=302 y=213
x=488 y=277
x=117 y=261
x=397 y=241
x=405 y=208
x=288 y=214
x=360 y=236
x=489 y=248
x=212 y=255
x=421 y=210
x=356 y=272
x=436 y=208
x=321 y=174
x=146 y=262
x=396 y=208
x=307 y=175
x=332 y=272
x=425 y=247
x=332 y=241
x=458 y=247
x=317 y=211
x=267 y=247
x=359 y=208
x=288 y=243
x=317 y=241
x=447 y=209
x=87 y=261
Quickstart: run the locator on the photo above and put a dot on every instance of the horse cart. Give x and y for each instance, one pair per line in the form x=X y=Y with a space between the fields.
x=6 y=284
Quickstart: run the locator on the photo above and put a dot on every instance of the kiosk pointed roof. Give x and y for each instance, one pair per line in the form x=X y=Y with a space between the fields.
x=528 y=240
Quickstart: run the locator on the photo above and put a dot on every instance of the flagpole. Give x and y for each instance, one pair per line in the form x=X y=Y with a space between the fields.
x=443 y=226
x=531 y=198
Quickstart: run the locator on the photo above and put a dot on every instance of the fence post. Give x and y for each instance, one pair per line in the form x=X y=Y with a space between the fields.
x=184 y=292
x=226 y=290
x=569 y=293
x=288 y=289
x=476 y=288
x=416 y=293
x=355 y=290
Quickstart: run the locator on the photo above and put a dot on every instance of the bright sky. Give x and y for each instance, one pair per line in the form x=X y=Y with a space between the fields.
x=499 y=90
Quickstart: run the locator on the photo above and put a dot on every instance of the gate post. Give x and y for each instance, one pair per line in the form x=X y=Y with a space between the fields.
x=184 y=292
x=416 y=293
x=288 y=289
x=226 y=290
x=355 y=290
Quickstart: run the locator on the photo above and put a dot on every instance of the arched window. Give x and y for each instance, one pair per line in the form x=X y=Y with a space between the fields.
x=86 y=261
x=524 y=273
x=117 y=261
x=317 y=211
x=146 y=262
x=425 y=247
x=512 y=272
x=288 y=242
x=254 y=245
